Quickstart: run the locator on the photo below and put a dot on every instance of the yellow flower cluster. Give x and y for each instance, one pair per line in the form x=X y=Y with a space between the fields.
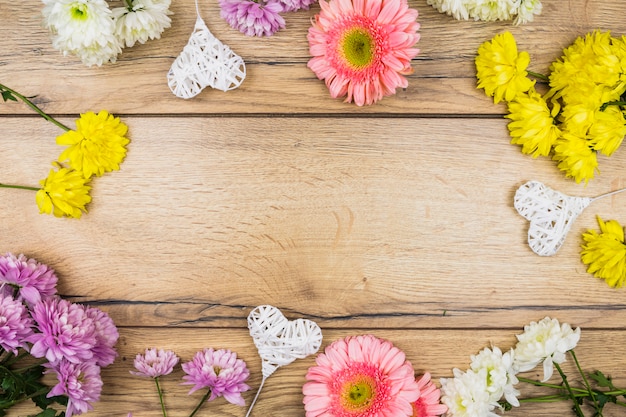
x=98 y=145
x=605 y=253
x=580 y=116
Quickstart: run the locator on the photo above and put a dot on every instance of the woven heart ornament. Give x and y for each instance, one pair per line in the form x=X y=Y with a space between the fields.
x=550 y=213
x=205 y=61
x=280 y=341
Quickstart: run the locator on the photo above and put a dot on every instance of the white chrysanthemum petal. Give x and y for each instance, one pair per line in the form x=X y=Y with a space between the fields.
x=146 y=21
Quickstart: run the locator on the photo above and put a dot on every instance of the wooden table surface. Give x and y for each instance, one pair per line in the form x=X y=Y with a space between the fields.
x=395 y=219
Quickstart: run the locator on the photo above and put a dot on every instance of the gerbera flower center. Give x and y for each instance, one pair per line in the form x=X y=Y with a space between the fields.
x=359 y=394
x=358 y=47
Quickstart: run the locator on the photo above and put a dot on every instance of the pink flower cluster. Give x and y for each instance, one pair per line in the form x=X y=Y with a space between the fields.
x=219 y=372
x=76 y=340
x=259 y=17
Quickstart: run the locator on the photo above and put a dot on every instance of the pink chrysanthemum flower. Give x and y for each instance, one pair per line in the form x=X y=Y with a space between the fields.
x=15 y=324
x=221 y=372
x=253 y=17
x=363 y=48
x=428 y=404
x=104 y=352
x=26 y=279
x=80 y=382
x=360 y=376
x=65 y=332
x=155 y=363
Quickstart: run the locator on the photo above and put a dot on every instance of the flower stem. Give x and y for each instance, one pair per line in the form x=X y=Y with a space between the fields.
x=202 y=401
x=158 y=387
x=543 y=384
x=577 y=409
x=34 y=107
x=612 y=103
x=19 y=187
x=9 y=404
x=592 y=395
x=26 y=368
x=538 y=75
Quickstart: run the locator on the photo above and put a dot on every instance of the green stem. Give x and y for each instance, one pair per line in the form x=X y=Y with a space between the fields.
x=34 y=107
x=538 y=75
x=9 y=404
x=543 y=384
x=202 y=401
x=26 y=368
x=592 y=395
x=612 y=103
x=579 y=412
x=156 y=381
x=19 y=187
x=129 y=4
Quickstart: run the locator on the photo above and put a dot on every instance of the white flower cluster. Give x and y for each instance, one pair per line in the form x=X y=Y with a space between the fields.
x=492 y=374
x=93 y=32
x=489 y=10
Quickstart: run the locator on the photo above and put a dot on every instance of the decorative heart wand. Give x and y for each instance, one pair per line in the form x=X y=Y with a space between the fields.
x=550 y=214
x=280 y=341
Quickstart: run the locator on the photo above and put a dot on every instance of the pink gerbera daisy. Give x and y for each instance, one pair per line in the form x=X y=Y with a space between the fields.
x=360 y=376
x=428 y=404
x=363 y=48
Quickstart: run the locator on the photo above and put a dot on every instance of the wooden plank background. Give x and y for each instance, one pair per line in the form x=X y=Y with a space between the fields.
x=394 y=219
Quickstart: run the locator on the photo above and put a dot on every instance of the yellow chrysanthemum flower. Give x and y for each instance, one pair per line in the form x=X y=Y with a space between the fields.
x=608 y=130
x=532 y=124
x=590 y=62
x=575 y=157
x=64 y=193
x=605 y=253
x=500 y=70
x=98 y=144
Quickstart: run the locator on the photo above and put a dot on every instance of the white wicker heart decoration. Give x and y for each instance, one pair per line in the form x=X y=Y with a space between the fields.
x=281 y=341
x=550 y=213
x=205 y=61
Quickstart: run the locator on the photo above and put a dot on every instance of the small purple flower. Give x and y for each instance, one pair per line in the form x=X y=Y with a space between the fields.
x=15 y=324
x=65 y=331
x=155 y=363
x=253 y=18
x=106 y=337
x=220 y=371
x=295 y=5
x=26 y=279
x=80 y=382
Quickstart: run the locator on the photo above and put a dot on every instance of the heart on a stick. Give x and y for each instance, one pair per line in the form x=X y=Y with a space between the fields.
x=205 y=61
x=550 y=214
x=281 y=341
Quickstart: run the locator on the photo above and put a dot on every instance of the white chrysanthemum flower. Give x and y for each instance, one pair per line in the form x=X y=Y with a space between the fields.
x=147 y=20
x=500 y=374
x=84 y=28
x=526 y=11
x=492 y=10
x=546 y=341
x=455 y=8
x=466 y=394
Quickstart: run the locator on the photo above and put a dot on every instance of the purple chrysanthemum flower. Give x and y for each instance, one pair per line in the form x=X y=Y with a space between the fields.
x=253 y=18
x=104 y=352
x=220 y=371
x=80 y=382
x=155 y=363
x=65 y=331
x=294 y=5
x=26 y=279
x=15 y=324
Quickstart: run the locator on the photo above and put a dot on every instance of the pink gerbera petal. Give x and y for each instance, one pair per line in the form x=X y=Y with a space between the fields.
x=363 y=48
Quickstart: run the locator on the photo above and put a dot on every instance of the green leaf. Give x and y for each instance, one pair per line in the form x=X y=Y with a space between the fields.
x=602 y=380
x=48 y=412
x=7 y=95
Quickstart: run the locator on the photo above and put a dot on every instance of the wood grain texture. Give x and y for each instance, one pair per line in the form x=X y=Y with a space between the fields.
x=395 y=219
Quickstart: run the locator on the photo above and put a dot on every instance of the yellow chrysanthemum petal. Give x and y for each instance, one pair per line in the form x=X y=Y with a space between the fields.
x=575 y=157
x=63 y=193
x=605 y=253
x=98 y=144
x=608 y=129
x=500 y=70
